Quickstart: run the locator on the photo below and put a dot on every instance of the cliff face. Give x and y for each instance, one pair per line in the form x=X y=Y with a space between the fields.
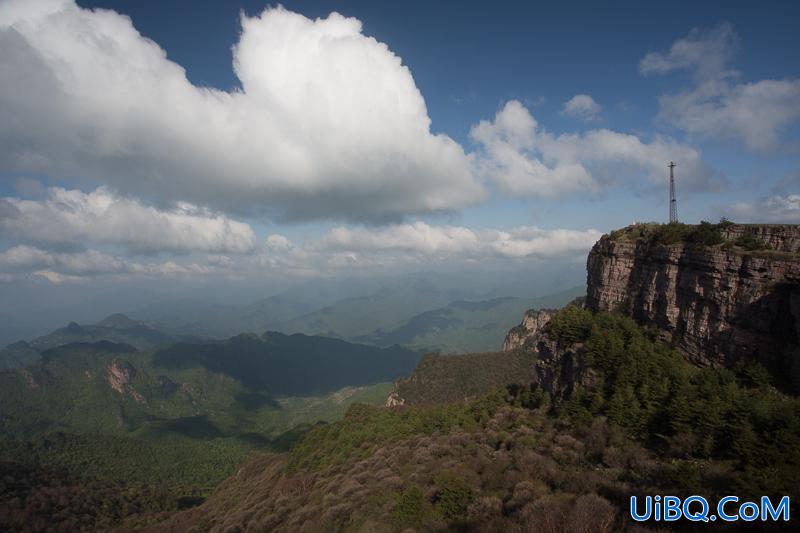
x=717 y=303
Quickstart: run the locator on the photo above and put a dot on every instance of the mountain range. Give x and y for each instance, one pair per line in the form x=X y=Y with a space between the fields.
x=420 y=317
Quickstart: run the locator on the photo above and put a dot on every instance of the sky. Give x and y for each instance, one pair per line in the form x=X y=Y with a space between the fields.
x=185 y=141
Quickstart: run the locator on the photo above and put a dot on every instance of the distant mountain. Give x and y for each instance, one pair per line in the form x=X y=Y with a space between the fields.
x=357 y=318
x=119 y=321
x=354 y=309
x=465 y=326
x=116 y=328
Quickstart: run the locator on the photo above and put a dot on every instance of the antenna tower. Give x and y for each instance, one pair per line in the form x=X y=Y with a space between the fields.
x=673 y=202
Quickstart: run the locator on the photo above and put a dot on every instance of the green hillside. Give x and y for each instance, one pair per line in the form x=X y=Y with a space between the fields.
x=181 y=418
x=230 y=387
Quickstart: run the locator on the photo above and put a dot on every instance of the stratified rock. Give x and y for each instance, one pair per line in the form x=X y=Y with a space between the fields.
x=718 y=304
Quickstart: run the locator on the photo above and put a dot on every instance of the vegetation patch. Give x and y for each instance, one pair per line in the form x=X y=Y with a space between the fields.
x=750 y=243
x=456 y=378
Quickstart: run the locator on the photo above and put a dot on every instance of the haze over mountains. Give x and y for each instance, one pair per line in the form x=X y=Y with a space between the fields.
x=221 y=311
x=424 y=311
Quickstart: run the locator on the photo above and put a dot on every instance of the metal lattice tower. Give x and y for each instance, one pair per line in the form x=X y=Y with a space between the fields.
x=673 y=202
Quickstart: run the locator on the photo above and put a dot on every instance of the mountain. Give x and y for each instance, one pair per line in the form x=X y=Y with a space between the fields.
x=116 y=328
x=721 y=293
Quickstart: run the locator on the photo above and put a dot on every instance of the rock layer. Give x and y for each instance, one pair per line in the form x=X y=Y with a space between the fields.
x=718 y=304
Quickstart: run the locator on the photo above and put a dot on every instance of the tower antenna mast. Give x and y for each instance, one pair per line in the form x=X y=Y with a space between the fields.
x=673 y=202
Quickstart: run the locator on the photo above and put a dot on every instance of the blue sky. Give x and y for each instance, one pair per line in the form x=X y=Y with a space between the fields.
x=508 y=170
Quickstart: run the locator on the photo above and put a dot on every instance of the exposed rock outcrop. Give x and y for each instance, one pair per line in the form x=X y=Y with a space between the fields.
x=718 y=304
x=119 y=375
x=557 y=369
x=394 y=400
x=523 y=335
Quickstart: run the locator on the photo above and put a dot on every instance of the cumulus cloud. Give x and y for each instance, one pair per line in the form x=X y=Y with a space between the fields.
x=523 y=159
x=719 y=105
x=100 y=216
x=29 y=262
x=781 y=209
x=328 y=122
x=583 y=107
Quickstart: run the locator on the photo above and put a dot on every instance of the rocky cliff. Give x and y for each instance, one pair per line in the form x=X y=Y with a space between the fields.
x=523 y=335
x=719 y=293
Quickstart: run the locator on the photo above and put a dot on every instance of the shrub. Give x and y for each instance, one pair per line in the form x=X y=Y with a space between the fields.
x=570 y=325
x=671 y=233
x=412 y=507
x=724 y=223
x=454 y=497
x=750 y=243
x=705 y=234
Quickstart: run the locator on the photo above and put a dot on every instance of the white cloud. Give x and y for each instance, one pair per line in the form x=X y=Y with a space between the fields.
x=756 y=113
x=328 y=122
x=583 y=107
x=72 y=216
x=781 y=209
x=418 y=238
x=706 y=52
x=523 y=159
x=718 y=105
x=428 y=241
x=339 y=251
x=28 y=262
x=528 y=241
